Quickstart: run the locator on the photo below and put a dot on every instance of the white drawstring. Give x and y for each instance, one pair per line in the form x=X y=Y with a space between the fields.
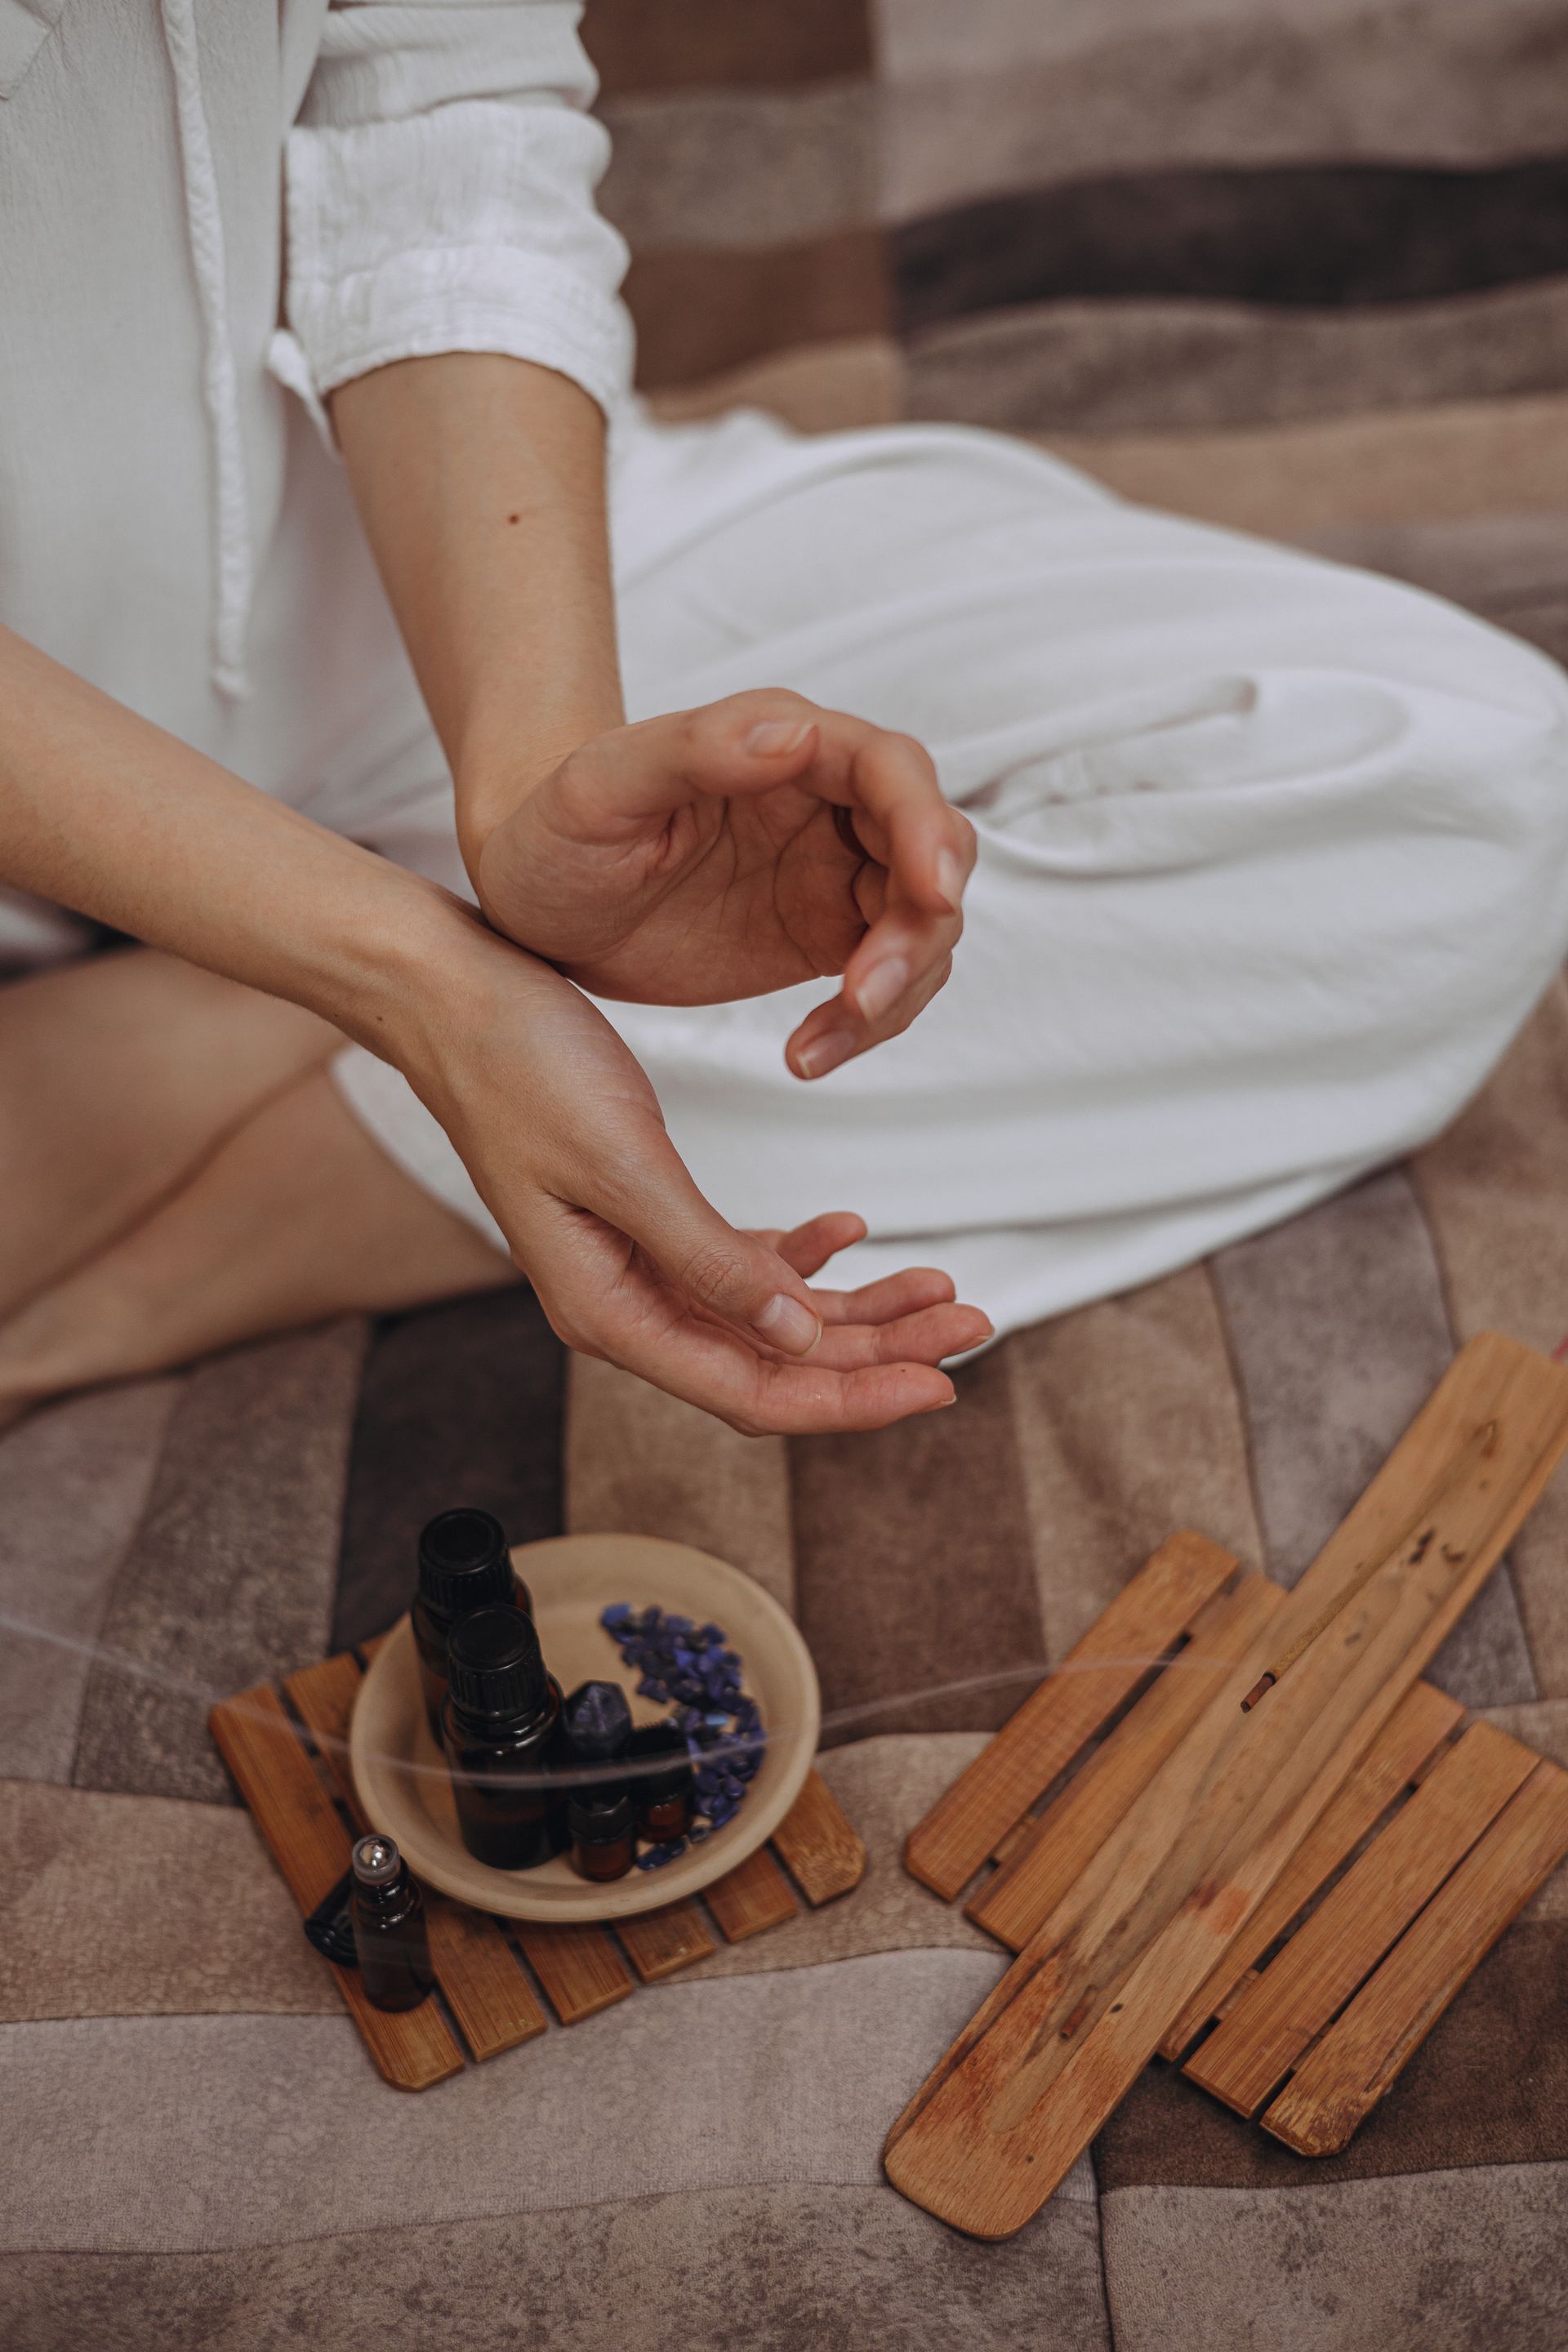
x=234 y=563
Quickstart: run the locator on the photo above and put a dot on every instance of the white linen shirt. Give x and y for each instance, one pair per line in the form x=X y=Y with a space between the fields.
x=212 y=212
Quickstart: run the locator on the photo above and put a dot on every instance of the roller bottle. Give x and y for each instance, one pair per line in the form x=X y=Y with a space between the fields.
x=390 y=1933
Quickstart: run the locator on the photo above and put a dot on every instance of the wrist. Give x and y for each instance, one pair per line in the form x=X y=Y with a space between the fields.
x=488 y=791
x=436 y=986
x=492 y=777
x=399 y=952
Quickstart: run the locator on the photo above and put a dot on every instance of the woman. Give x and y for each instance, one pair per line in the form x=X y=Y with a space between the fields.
x=1269 y=854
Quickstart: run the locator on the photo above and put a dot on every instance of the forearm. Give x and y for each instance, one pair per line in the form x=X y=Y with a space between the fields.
x=102 y=812
x=481 y=483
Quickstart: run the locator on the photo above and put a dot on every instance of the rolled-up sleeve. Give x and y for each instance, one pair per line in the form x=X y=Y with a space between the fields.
x=440 y=183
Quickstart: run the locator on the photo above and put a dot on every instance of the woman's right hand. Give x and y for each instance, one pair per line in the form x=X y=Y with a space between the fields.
x=563 y=1135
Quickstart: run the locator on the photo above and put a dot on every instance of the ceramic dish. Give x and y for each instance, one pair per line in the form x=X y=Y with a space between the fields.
x=402 y=1776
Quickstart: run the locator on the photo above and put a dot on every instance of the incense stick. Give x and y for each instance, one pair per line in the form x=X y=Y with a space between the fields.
x=1476 y=1448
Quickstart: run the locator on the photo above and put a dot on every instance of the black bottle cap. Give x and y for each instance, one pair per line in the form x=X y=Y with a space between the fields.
x=377 y=1861
x=464 y=1562
x=494 y=1664
x=598 y=1722
x=599 y=1816
x=663 y=1761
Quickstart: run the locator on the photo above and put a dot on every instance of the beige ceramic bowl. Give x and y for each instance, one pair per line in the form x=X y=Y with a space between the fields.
x=401 y=1775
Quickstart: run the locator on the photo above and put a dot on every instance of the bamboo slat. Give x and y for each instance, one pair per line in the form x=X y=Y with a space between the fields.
x=1417 y=1731
x=817 y=1846
x=1058 y=1719
x=1351 y=2067
x=1024 y=1890
x=1285 y=2008
x=658 y=1942
x=323 y=1698
x=754 y=1895
x=579 y=1967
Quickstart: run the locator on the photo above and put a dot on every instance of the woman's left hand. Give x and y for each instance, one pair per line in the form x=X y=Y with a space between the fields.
x=736 y=849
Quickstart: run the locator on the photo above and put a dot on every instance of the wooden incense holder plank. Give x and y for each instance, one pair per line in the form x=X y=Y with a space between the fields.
x=659 y=1942
x=1356 y=2061
x=310 y=1846
x=1415 y=1733
x=1014 y=1840
x=817 y=1846
x=1089 y=1999
x=754 y=1895
x=1026 y=1889
x=1056 y=1721
x=1288 y=2006
x=579 y=1967
x=475 y=1967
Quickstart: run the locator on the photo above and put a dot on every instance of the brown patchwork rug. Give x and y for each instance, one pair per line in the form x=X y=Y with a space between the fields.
x=1300 y=267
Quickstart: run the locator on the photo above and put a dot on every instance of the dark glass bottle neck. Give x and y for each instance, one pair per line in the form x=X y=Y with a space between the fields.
x=498 y=1730
x=442 y=1620
x=396 y=1896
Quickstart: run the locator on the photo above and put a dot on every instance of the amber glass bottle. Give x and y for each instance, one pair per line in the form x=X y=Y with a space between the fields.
x=464 y=1565
x=390 y=1933
x=602 y=1845
x=501 y=1730
x=661 y=1782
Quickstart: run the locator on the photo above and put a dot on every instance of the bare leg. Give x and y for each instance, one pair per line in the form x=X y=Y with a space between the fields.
x=296 y=1216
x=117 y=1075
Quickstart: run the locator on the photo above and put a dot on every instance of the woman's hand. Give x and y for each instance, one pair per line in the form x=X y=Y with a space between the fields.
x=561 y=1133
x=736 y=849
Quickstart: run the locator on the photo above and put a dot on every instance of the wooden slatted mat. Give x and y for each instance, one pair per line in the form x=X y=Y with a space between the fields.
x=1236 y=1828
x=290 y=1764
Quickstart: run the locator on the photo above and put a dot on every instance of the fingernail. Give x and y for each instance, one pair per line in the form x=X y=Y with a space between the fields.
x=825 y=1053
x=773 y=736
x=883 y=986
x=786 y=1323
x=949 y=877
x=942 y=1406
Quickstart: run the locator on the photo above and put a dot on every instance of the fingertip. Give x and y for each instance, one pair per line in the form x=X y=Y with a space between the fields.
x=950 y=878
x=777 y=738
x=818 y=1055
x=785 y=1324
x=979 y=1326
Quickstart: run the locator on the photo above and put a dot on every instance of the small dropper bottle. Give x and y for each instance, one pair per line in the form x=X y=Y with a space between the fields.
x=464 y=1565
x=390 y=1933
x=662 y=1783
x=602 y=1843
x=501 y=1730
